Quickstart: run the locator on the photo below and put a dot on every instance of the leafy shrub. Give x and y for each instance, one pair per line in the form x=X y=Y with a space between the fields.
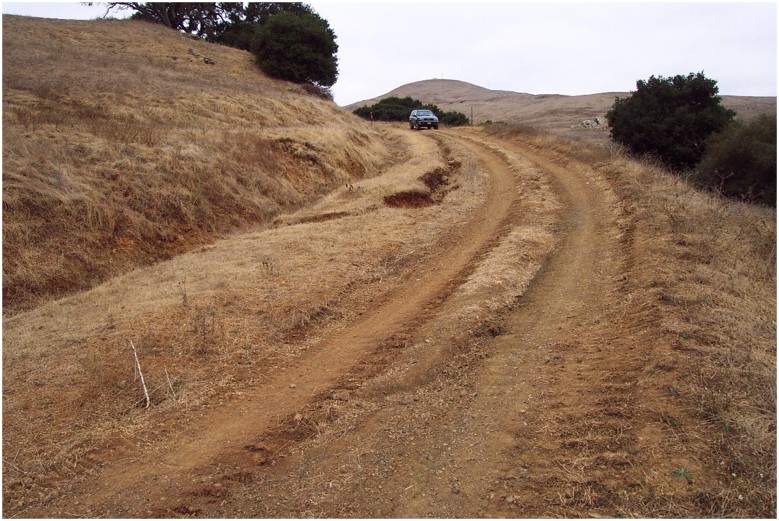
x=670 y=118
x=740 y=162
x=297 y=47
x=453 y=119
x=398 y=109
x=237 y=22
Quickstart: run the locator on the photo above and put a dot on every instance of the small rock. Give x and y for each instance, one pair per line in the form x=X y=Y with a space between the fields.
x=456 y=488
x=292 y=386
x=511 y=499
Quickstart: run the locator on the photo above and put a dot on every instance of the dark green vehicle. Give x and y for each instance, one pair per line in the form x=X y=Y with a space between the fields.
x=422 y=118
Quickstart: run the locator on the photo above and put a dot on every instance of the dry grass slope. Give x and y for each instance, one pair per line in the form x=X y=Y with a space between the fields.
x=121 y=146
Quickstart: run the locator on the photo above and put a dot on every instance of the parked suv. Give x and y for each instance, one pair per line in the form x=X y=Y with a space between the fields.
x=422 y=118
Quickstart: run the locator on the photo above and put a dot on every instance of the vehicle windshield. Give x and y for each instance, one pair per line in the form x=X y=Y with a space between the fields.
x=424 y=113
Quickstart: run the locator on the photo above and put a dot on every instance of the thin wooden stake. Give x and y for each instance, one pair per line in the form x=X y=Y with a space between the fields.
x=170 y=384
x=143 y=383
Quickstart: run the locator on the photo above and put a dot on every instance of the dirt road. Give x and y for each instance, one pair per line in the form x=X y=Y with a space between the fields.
x=441 y=399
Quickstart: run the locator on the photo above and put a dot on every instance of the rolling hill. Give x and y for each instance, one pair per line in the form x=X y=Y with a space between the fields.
x=549 y=111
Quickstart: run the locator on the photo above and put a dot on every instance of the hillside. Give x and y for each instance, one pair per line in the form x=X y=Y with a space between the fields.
x=549 y=111
x=122 y=146
x=364 y=321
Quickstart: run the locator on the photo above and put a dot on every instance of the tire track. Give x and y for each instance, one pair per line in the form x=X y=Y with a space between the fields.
x=503 y=426
x=399 y=459
x=502 y=436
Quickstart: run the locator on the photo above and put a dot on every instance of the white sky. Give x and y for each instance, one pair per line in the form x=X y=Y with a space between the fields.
x=538 y=48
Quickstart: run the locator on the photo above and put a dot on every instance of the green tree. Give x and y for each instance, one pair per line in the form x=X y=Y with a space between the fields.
x=670 y=118
x=243 y=19
x=229 y=23
x=297 y=47
x=740 y=162
x=185 y=17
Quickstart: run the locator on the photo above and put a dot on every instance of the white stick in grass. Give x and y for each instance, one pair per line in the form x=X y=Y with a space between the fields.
x=143 y=383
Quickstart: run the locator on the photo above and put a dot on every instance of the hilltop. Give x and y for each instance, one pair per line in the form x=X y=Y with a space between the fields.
x=549 y=111
x=126 y=142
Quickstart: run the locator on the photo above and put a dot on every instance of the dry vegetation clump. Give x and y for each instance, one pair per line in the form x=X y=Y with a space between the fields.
x=703 y=272
x=121 y=147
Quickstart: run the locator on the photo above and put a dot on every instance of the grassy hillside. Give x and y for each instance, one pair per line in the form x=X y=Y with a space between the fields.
x=122 y=146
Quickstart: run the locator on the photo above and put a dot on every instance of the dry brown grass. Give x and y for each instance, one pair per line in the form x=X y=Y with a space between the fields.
x=705 y=269
x=121 y=148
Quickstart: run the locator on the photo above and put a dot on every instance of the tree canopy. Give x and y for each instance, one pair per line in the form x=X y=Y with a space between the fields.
x=298 y=48
x=670 y=118
x=230 y=23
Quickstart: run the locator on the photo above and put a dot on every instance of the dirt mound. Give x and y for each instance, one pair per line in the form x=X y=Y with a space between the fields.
x=435 y=178
x=438 y=183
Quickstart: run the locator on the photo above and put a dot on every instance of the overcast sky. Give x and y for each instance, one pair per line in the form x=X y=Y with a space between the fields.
x=537 y=48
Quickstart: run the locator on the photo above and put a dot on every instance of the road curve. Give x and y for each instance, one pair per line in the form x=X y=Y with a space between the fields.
x=494 y=427
x=133 y=487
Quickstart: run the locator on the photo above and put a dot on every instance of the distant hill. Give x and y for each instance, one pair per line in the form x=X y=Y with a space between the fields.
x=551 y=111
